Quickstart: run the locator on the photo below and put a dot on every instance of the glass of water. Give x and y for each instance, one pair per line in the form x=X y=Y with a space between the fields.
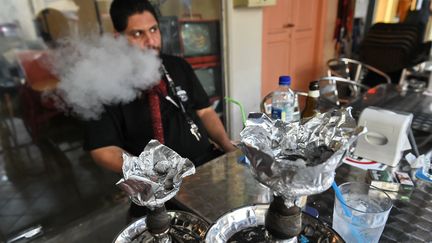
x=362 y=214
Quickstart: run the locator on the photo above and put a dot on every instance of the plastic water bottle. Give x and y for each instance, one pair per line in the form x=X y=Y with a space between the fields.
x=283 y=100
x=296 y=113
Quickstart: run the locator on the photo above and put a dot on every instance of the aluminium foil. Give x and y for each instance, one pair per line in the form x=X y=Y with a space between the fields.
x=296 y=159
x=155 y=175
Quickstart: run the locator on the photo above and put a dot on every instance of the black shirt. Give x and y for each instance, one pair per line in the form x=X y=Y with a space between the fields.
x=129 y=125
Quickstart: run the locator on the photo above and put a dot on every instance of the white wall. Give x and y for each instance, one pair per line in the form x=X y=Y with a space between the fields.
x=243 y=43
x=18 y=10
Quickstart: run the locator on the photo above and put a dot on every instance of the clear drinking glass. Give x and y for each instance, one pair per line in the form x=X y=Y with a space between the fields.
x=363 y=214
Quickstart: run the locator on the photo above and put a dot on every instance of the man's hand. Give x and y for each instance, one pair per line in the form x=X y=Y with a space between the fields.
x=215 y=129
x=109 y=157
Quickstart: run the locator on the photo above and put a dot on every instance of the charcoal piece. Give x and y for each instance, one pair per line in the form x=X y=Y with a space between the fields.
x=318 y=155
x=168 y=184
x=291 y=157
x=162 y=167
x=253 y=234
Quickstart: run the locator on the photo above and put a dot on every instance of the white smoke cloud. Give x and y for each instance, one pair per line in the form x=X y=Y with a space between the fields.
x=102 y=71
x=8 y=7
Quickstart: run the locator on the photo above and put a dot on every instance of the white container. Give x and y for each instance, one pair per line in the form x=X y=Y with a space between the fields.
x=386 y=136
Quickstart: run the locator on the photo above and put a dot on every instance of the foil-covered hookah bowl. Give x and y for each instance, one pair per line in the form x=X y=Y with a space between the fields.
x=151 y=179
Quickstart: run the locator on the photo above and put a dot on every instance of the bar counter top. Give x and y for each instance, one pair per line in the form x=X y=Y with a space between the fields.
x=225 y=184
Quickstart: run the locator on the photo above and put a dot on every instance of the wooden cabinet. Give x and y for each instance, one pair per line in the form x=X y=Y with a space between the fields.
x=291 y=37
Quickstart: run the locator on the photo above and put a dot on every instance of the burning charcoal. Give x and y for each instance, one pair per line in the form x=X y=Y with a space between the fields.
x=318 y=155
x=168 y=184
x=162 y=167
x=292 y=157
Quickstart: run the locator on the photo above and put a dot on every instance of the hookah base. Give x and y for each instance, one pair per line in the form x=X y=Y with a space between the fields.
x=247 y=225
x=312 y=229
x=185 y=227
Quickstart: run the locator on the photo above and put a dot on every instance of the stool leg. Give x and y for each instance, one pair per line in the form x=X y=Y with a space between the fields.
x=10 y=116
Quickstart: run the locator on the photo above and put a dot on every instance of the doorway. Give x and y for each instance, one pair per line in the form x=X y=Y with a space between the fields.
x=292 y=43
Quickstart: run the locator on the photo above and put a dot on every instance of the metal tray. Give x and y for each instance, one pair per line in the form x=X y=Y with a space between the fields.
x=252 y=217
x=185 y=227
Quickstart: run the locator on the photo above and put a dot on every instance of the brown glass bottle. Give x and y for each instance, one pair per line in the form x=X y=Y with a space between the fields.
x=311 y=107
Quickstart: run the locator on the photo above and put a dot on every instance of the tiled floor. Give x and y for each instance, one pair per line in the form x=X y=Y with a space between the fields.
x=54 y=183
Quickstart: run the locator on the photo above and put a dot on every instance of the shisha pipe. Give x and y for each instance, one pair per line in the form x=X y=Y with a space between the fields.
x=159 y=223
x=283 y=222
x=151 y=179
x=290 y=171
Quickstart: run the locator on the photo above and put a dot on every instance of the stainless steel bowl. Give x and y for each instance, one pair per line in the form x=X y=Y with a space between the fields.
x=184 y=226
x=253 y=217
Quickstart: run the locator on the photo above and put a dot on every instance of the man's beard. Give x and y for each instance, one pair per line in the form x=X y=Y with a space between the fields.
x=155 y=48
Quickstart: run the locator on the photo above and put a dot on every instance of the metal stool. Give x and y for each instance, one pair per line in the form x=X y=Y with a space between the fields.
x=340 y=91
x=353 y=70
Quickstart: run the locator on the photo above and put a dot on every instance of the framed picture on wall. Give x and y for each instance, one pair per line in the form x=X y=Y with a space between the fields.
x=200 y=39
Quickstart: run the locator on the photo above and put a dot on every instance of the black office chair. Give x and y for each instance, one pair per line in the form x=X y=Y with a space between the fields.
x=392 y=47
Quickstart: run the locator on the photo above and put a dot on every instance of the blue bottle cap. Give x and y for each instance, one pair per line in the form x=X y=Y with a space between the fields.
x=284 y=80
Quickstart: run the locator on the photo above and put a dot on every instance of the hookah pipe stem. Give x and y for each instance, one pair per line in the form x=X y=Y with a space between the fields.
x=158 y=221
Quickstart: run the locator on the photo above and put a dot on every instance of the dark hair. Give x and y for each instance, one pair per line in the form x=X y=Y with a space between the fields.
x=121 y=10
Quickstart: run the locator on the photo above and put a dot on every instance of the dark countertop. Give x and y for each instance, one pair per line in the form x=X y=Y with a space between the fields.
x=224 y=184
x=220 y=185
